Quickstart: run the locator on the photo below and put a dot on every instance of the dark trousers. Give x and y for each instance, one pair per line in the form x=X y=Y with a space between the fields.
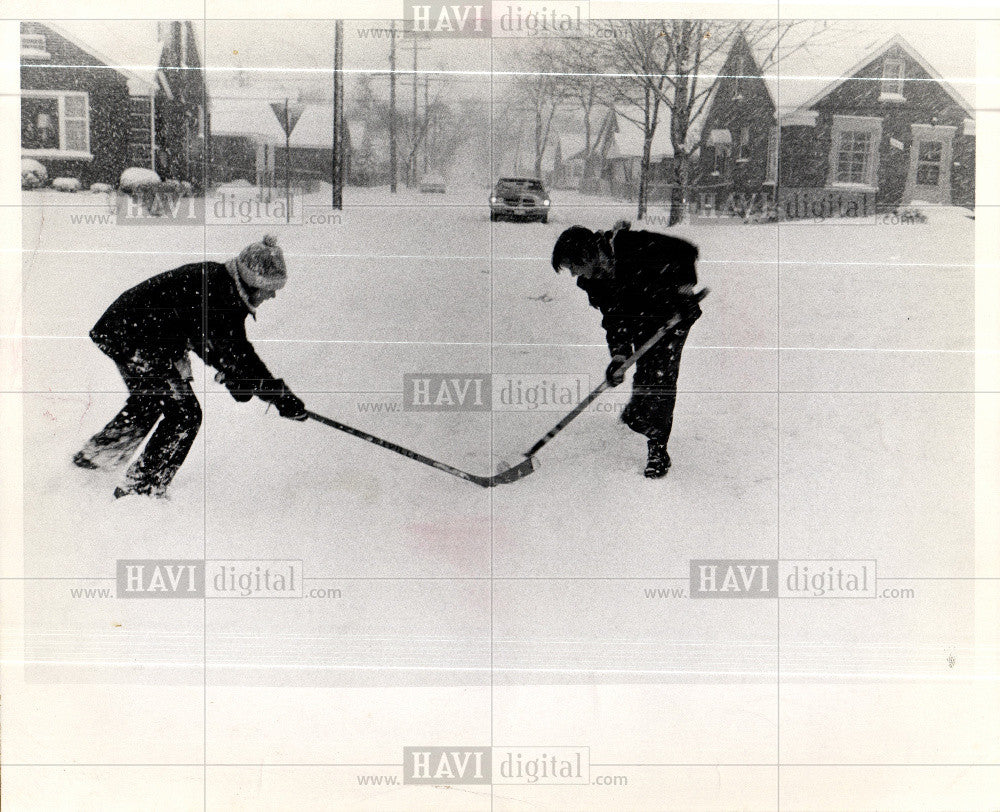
x=654 y=386
x=155 y=391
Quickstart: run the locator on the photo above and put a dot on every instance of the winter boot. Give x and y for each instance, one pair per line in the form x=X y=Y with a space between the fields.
x=658 y=462
x=81 y=460
x=156 y=491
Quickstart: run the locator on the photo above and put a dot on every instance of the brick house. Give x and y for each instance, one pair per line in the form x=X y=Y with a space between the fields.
x=890 y=132
x=737 y=135
x=89 y=116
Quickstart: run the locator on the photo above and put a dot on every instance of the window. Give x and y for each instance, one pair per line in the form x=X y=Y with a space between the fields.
x=55 y=122
x=929 y=163
x=738 y=71
x=892 y=79
x=33 y=42
x=721 y=159
x=854 y=151
x=772 y=156
x=853 y=154
x=743 y=150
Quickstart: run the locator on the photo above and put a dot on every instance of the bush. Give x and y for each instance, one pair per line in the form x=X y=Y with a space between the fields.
x=135 y=179
x=33 y=174
x=67 y=184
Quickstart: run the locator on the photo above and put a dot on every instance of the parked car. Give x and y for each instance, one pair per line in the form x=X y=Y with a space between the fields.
x=520 y=198
x=432 y=183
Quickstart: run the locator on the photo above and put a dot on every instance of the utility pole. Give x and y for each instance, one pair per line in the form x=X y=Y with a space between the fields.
x=427 y=123
x=288 y=165
x=413 y=154
x=392 y=108
x=338 y=115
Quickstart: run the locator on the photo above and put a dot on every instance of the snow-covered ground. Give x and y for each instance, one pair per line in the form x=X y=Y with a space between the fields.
x=865 y=328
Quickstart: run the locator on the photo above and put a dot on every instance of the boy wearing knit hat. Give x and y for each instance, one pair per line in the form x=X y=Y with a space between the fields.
x=148 y=332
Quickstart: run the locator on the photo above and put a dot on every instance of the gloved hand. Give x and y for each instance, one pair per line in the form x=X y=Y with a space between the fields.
x=615 y=372
x=291 y=406
x=284 y=400
x=688 y=308
x=241 y=392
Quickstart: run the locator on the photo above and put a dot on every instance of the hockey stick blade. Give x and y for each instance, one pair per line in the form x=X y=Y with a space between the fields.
x=514 y=473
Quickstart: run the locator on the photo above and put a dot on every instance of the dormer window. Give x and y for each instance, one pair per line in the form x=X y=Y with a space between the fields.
x=33 y=47
x=892 y=80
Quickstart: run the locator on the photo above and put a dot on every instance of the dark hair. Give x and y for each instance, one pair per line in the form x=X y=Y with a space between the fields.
x=575 y=246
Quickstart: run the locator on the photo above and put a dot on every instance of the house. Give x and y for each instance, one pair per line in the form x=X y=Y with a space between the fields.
x=889 y=132
x=248 y=143
x=615 y=159
x=737 y=141
x=88 y=115
x=245 y=132
x=568 y=162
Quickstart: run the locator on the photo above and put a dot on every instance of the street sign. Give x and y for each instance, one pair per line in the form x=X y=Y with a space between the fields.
x=288 y=115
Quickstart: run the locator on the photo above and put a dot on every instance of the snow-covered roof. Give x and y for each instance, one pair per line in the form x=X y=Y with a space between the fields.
x=132 y=47
x=628 y=140
x=868 y=58
x=255 y=118
x=807 y=75
x=250 y=117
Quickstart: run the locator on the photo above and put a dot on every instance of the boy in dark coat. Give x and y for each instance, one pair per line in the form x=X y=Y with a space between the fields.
x=639 y=280
x=149 y=331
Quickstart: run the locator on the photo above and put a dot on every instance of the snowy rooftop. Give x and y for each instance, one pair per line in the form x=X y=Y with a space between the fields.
x=131 y=46
x=255 y=118
x=805 y=74
x=629 y=139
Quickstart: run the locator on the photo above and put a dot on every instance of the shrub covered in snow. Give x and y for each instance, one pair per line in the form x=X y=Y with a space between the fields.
x=33 y=174
x=101 y=187
x=66 y=184
x=135 y=178
x=911 y=214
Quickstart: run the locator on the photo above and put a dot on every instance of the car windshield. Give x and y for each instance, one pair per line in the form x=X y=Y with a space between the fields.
x=519 y=185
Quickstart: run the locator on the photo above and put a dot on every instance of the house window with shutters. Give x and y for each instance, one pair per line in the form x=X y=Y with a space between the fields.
x=55 y=124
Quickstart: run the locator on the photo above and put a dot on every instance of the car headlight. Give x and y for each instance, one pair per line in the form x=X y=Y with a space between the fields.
x=545 y=202
x=493 y=199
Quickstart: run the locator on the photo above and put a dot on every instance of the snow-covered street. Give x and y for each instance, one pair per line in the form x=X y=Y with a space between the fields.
x=874 y=322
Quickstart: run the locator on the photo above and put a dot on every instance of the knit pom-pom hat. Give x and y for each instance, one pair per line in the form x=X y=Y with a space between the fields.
x=261 y=265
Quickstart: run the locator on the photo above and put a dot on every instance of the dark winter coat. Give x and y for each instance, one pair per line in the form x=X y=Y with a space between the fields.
x=195 y=307
x=645 y=291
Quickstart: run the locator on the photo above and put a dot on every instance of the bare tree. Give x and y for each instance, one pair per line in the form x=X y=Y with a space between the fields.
x=671 y=67
x=539 y=91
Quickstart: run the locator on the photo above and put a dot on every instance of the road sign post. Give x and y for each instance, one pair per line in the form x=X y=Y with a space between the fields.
x=288 y=116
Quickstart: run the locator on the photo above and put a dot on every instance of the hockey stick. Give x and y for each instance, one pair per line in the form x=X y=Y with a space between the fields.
x=483 y=481
x=527 y=465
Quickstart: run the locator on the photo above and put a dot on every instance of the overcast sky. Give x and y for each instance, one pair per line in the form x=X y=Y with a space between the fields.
x=299 y=53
